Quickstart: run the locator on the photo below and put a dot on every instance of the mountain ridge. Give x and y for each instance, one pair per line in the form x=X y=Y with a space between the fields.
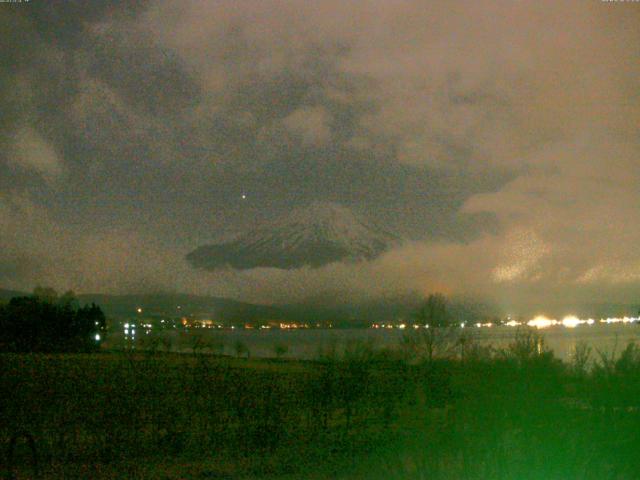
x=316 y=235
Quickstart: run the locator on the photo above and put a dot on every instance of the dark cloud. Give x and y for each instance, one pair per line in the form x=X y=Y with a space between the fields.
x=501 y=139
x=146 y=76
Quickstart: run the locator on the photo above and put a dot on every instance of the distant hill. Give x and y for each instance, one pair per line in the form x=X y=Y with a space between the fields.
x=234 y=311
x=318 y=310
x=322 y=309
x=175 y=305
x=6 y=295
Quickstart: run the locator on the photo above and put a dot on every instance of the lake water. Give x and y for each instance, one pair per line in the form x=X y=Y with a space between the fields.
x=306 y=343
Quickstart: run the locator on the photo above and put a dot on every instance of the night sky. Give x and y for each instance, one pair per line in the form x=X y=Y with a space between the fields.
x=500 y=139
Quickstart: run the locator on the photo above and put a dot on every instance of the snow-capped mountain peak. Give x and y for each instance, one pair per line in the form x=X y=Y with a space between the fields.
x=314 y=235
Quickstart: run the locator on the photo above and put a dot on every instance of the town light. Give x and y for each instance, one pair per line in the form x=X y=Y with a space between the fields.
x=571 y=321
x=541 y=322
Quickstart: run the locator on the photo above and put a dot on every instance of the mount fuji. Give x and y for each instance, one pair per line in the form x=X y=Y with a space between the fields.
x=313 y=236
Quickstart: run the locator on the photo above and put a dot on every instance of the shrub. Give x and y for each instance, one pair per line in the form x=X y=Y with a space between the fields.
x=280 y=349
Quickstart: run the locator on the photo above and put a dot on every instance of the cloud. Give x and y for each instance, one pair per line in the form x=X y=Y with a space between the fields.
x=311 y=124
x=501 y=138
x=30 y=150
x=522 y=255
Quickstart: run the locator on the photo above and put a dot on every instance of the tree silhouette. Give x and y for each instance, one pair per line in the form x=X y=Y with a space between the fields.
x=45 y=322
x=434 y=312
x=437 y=334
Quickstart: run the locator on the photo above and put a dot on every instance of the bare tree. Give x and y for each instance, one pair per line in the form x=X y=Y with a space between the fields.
x=436 y=334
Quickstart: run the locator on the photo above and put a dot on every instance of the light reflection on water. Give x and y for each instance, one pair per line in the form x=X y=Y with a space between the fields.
x=306 y=343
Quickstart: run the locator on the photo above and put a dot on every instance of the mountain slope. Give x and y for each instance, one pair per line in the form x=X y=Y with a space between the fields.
x=313 y=236
x=173 y=304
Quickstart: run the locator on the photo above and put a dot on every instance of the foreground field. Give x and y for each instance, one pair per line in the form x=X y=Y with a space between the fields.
x=367 y=414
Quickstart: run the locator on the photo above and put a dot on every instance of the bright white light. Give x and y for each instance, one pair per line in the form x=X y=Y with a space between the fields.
x=139 y=310
x=571 y=321
x=612 y=320
x=126 y=325
x=481 y=325
x=541 y=322
x=97 y=337
x=126 y=331
x=402 y=326
x=512 y=323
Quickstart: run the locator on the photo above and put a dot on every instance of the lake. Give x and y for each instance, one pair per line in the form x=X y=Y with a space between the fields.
x=306 y=343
